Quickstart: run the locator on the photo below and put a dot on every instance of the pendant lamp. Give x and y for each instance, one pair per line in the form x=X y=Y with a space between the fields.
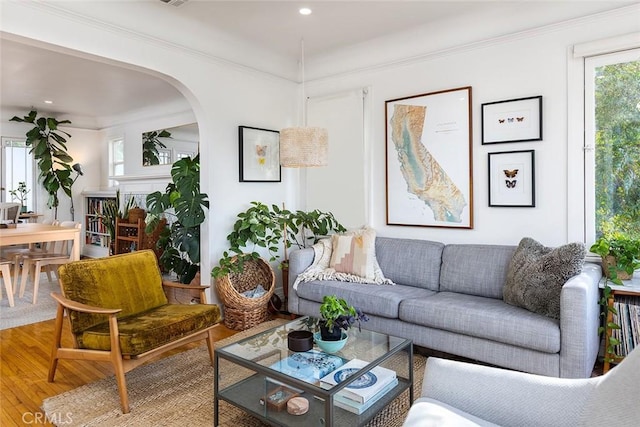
x=304 y=147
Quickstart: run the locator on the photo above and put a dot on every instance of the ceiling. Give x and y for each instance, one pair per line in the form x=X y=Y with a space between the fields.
x=32 y=74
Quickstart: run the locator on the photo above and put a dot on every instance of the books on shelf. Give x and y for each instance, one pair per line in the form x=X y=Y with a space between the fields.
x=358 y=408
x=628 y=318
x=308 y=366
x=364 y=388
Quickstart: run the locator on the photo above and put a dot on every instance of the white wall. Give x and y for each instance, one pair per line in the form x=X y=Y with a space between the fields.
x=527 y=64
x=223 y=96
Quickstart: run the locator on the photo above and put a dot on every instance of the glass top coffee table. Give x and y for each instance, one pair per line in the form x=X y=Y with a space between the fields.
x=260 y=374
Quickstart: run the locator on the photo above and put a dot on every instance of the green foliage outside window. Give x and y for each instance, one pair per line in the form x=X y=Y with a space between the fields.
x=617 y=93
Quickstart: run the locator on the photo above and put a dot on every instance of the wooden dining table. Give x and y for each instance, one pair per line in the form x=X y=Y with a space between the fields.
x=25 y=233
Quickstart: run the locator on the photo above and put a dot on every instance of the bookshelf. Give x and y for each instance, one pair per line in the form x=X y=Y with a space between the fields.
x=96 y=241
x=626 y=300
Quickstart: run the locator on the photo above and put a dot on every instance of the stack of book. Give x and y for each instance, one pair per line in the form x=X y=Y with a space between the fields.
x=358 y=396
x=308 y=366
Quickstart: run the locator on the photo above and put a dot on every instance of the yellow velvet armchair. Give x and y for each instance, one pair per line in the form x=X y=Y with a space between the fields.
x=119 y=313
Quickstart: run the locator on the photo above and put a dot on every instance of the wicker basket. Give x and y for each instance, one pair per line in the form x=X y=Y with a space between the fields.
x=241 y=312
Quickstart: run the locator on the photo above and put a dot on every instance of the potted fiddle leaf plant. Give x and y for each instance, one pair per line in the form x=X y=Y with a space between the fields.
x=48 y=146
x=151 y=144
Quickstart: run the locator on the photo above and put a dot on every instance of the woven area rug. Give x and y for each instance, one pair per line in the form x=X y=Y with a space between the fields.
x=178 y=391
x=25 y=313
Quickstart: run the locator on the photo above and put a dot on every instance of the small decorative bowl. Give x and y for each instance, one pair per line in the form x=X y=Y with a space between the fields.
x=330 y=346
x=300 y=340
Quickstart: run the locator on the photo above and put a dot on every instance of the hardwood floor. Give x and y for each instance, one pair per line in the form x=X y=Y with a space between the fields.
x=24 y=364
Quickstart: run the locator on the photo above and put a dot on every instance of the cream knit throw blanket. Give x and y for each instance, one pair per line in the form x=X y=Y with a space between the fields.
x=320 y=270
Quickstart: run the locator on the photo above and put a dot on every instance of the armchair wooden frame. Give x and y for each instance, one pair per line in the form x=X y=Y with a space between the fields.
x=121 y=363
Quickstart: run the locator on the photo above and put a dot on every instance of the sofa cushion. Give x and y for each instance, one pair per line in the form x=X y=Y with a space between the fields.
x=153 y=328
x=354 y=252
x=475 y=269
x=537 y=273
x=410 y=262
x=376 y=300
x=483 y=317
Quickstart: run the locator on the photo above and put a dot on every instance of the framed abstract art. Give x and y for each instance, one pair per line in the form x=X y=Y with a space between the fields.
x=259 y=154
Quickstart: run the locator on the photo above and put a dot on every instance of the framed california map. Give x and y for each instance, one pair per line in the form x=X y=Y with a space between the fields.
x=429 y=159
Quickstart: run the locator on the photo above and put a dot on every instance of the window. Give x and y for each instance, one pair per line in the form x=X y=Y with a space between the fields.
x=116 y=157
x=612 y=135
x=17 y=166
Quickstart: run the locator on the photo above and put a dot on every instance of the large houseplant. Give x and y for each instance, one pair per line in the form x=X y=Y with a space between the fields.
x=48 y=146
x=183 y=202
x=270 y=227
x=151 y=144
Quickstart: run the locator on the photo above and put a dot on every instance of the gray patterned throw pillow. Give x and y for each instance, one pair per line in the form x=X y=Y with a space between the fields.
x=536 y=275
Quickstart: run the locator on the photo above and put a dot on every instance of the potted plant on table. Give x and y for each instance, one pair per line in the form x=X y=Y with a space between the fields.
x=20 y=193
x=620 y=256
x=337 y=315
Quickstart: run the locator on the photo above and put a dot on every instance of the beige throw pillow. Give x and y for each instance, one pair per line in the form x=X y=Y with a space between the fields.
x=354 y=253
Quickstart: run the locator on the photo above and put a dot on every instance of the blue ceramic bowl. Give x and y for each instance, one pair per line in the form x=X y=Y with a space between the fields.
x=330 y=346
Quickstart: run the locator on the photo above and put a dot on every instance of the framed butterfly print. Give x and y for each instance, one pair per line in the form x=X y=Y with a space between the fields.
x=515 y=120
x=259 y=154
x=512 y=179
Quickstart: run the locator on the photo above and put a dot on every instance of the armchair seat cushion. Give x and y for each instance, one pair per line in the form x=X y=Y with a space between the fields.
x=427 y=412
x=153 y=328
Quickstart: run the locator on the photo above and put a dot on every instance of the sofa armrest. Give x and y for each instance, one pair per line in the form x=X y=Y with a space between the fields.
x=506 y=397
x=579 y=322
x=299 y=261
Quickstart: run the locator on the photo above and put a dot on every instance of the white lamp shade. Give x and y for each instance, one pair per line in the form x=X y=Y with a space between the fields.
x=303 y=147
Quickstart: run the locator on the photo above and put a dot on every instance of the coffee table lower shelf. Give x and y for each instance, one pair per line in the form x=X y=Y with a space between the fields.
x=246 y=395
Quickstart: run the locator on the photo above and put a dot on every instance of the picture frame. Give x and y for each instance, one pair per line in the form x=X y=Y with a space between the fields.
x=512 y=179
x=277 y=398
x=514 y=120
x=429 y=159
x=259 y=154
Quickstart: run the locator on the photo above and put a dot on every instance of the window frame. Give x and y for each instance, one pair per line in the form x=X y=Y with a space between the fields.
x=580 y=154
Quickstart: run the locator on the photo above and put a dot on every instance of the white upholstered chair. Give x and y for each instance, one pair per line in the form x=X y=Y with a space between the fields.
x=61 y=253
x=464 y=394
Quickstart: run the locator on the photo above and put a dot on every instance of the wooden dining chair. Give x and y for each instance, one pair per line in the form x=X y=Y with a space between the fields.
x=61 y=254
x=9 y=212
x=5 y=269
x=15 y=252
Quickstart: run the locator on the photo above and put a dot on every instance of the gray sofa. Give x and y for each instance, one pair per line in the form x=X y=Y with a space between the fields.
x=449 y=298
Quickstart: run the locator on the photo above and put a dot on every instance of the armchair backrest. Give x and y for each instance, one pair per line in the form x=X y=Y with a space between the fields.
x=131 y=282
x=615 y=398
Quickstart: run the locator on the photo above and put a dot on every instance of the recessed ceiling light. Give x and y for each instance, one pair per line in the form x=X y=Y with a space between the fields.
x=46 y=101
x=305 y=11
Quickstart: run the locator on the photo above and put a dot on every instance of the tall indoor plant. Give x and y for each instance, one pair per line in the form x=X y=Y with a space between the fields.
x=150 y=144
x=269 y=227
x=48 y=146
x=184 y=204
